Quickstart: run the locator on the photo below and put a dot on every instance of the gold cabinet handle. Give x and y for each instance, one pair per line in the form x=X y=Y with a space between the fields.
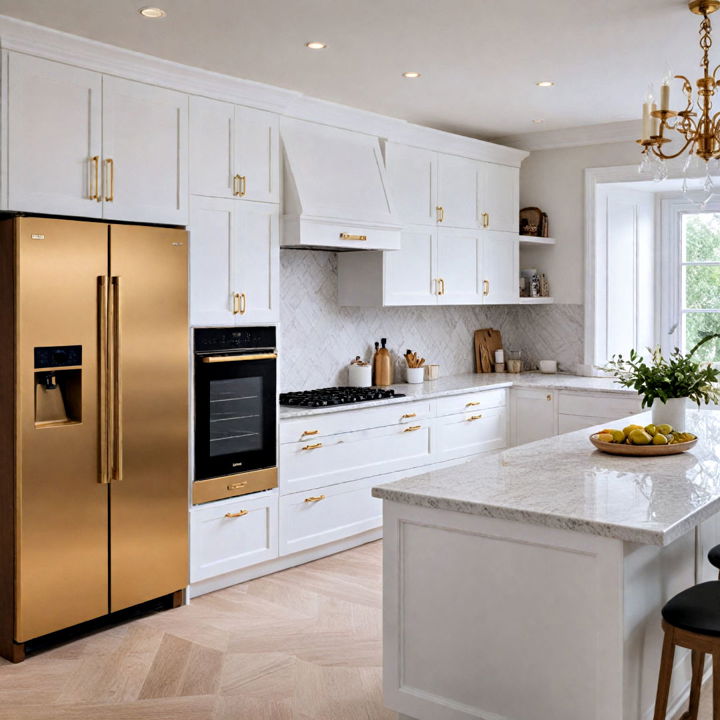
x=486 y=220
x=110 y=168
x=236 y=185
x=474 y=417
x=236 y=303
x=442 y=286
x=316 y=498
x=117 y=390
x=313 y=447
x=243 y=186
x=409 y=415
x=239 y=358
x=94 y=185
x=548 y=397
x=102 y=379
x=440 y=213
x=350 y=236
x=486 y=287
x=243 y=303
x=237 y=486
x=237 y=514
x=413 y=428
x=472 y=404
x=310 y=432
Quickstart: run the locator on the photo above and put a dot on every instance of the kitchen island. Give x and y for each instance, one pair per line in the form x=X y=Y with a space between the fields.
x=526 y=584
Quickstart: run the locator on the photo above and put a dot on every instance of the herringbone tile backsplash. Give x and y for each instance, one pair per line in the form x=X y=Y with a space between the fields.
x=319 y=338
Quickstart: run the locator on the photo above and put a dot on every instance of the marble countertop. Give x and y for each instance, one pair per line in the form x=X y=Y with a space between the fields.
x=458 y=384
x=563 y=482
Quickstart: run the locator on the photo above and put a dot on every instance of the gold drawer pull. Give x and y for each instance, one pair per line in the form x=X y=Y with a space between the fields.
x=95 y=194
x=110 y=166
x=486 y=220
x=474 y=417
x=486 y=287
x=243 y=303
x=440 y=213
x=409 y=415
x=471 y=404
x=412 y=428
x=310 y=432
x=237 y=486
x=349 y=236
x=548 y=397
x=236 y=303
x=313 y=447
x=317 y=498
x=237 y=514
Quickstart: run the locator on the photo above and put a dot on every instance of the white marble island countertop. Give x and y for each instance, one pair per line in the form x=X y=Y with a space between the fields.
x=469 y=382
x=563 y=482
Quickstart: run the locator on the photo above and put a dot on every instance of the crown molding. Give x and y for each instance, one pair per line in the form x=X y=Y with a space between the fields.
x=625 y=131
x=25 y=37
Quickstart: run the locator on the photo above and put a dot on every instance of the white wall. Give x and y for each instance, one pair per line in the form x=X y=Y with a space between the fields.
x=554 y=181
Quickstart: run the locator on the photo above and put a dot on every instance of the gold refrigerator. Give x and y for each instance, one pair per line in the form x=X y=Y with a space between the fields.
x=93 y=422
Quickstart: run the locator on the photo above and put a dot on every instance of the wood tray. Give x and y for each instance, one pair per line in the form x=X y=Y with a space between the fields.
x=642 y=450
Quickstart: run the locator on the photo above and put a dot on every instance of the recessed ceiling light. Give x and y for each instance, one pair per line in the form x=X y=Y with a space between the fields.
x=545 y=83
x=411 y=74
x=152 y=12
x=315 y=45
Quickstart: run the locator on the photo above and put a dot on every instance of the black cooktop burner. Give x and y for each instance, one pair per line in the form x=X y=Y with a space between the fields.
x=336 y=396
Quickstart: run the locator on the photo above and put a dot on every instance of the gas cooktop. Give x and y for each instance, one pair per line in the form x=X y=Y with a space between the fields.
x=336 y=396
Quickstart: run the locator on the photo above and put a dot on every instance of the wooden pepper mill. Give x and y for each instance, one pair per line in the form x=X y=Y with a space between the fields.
x=382 y=365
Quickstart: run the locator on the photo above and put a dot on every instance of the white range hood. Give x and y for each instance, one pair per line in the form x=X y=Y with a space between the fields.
x=336 y=192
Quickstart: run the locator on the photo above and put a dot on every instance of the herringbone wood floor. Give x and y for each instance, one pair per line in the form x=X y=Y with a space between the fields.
x=304 y=644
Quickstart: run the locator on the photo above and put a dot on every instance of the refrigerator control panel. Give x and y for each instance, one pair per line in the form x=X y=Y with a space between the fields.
x=58 y=356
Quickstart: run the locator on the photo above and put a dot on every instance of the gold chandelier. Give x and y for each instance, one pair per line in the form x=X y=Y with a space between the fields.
x=696 y=125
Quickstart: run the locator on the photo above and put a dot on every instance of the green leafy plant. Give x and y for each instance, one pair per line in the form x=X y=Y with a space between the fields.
x=659 y=378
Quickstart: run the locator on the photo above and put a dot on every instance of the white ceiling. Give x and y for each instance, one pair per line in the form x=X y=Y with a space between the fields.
x=479 y=59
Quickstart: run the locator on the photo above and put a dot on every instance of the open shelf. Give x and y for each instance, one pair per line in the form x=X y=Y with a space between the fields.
x=536 y=300
x=529 y=240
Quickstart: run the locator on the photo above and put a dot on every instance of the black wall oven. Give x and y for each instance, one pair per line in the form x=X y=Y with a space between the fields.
x=235 y=412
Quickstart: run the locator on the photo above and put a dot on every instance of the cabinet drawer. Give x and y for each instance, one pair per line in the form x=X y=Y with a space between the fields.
x=598 y=405
x=308 y=233
x=480 y=400
x=233 y=534
x=351 y=456
x=334 y=513
x=468 y=433
x=316 y=426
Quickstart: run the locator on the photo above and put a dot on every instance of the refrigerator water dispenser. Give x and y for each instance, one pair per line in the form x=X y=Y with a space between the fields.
x=58 y=385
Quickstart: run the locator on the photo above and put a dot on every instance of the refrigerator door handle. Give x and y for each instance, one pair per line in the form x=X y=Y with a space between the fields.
x=115 y=394
x=102 y=307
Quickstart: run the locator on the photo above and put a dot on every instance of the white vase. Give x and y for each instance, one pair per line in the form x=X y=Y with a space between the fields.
x=671 y=412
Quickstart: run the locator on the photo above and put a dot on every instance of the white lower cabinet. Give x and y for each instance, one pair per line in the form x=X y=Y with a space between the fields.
x=233 y=534
x=332 y=513
x=534 y=415
x=470 y=433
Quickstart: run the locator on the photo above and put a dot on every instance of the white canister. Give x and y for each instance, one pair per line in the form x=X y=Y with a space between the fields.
x=548 y=366
x=670 y=413
x=360 y=375
x=415 y=375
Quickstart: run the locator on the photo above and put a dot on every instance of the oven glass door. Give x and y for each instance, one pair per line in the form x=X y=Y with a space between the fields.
x=235 y=416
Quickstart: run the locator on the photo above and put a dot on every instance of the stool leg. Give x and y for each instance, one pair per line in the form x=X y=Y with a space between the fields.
x=698 y=664
x=666 y=664
x=716 y=685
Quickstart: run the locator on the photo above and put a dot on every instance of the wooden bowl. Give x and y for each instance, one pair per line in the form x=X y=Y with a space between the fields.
x=642 y=450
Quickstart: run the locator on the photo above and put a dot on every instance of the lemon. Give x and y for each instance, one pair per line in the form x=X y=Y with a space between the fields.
x=650 y=429
x=640 y=437
x=659 y=439
x=605 y=437
x=665 y=429
x=630 y=428
x=618 y=435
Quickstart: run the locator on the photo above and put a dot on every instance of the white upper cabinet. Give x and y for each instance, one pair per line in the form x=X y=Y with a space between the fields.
x=457 y=191
x=500 y=267
x=257 y=155
x=53 y=137
x=412 y=174
x=410 y=273
x=234 y=262
x=255 y=261
x=145 y=152
x=234 y=151
x=498 y=204
x=459 y=262
x=336 y=192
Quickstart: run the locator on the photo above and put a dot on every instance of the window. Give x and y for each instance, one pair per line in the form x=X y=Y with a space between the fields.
x=700 y=282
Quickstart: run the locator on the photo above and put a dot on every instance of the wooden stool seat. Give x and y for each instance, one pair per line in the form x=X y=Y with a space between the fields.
x=691 y=620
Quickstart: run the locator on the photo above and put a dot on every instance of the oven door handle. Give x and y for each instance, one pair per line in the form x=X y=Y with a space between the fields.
x=239 y=358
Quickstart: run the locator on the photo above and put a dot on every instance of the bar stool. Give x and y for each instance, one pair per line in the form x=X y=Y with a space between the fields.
x=692 y=620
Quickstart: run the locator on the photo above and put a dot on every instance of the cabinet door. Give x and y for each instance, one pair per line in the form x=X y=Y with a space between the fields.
x=211 y=147
x=257 y=154
x=412 y=176
x=498 y=197
x=54 y=119
x=212 y=225
x=457 y=191
x=469 y=433
x=144 y=152
x=500 y=268
x=255 y=262
x=534 y=415
x=458 y=260
x=410 y=272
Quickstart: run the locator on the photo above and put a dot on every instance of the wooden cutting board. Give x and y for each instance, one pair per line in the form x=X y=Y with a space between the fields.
x=487 y=341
